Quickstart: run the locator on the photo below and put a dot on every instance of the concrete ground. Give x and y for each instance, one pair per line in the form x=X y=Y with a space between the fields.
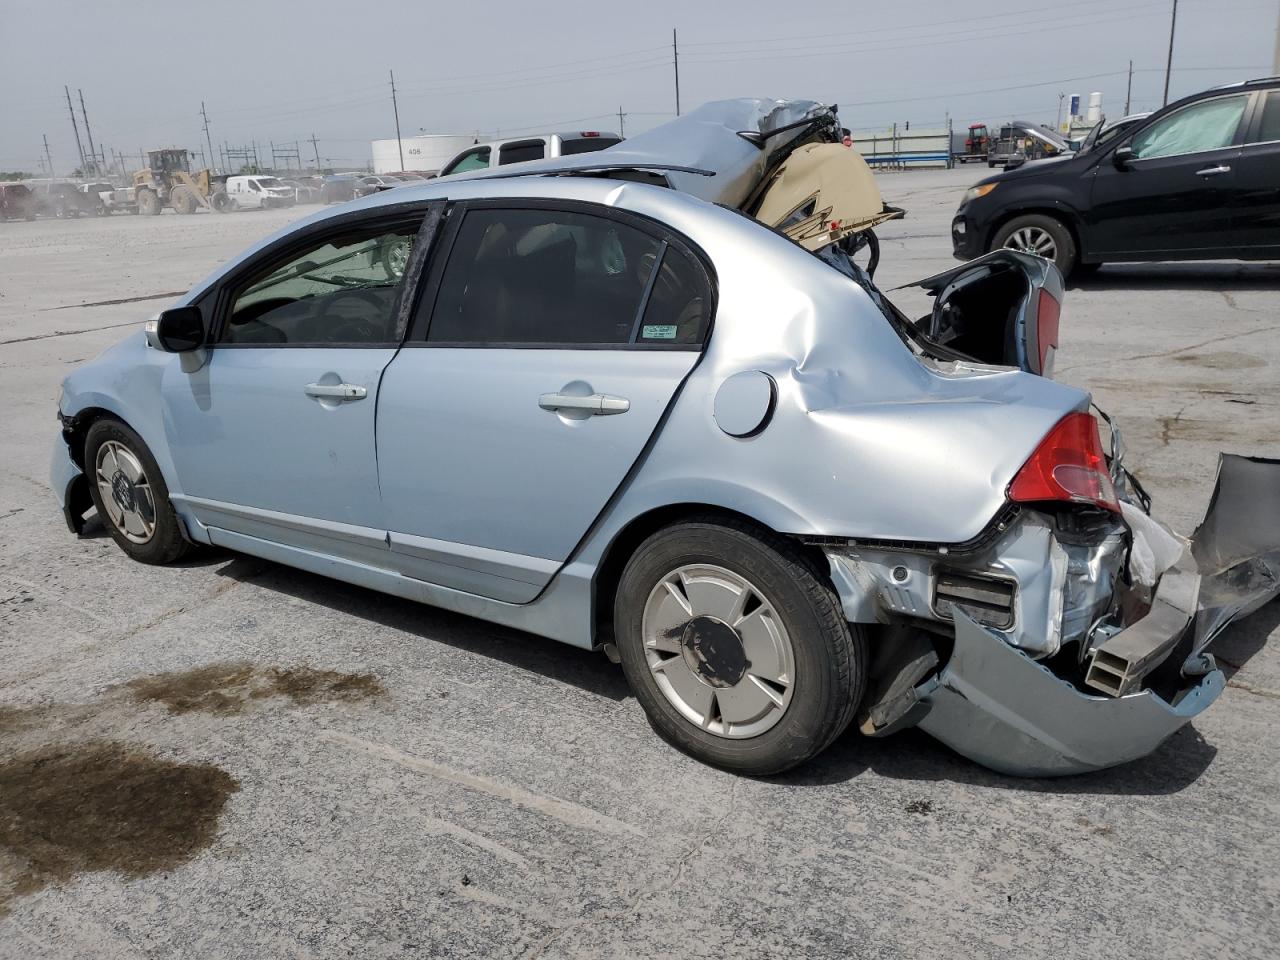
x=321 y=771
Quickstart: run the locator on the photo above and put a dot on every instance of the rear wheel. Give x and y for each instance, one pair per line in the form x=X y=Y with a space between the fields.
x=1041 y=235
x=736 y=649
x=130 y=494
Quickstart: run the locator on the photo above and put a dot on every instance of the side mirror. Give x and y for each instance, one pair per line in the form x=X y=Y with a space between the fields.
x=177 y=330
x=1122 y=157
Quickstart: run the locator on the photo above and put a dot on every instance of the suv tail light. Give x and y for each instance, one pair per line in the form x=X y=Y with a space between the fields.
x=1067 y=466
x=1048 y=312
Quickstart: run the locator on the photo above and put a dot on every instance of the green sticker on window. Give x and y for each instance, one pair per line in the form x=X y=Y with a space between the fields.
x=655 y=331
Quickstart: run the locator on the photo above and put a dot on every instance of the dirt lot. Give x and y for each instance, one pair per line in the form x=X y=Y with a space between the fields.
x=234 y=759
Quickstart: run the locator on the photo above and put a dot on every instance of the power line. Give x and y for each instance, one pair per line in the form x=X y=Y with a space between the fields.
x=675 y=63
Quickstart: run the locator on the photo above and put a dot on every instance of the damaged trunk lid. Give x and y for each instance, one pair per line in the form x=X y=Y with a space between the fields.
x=1002 y=308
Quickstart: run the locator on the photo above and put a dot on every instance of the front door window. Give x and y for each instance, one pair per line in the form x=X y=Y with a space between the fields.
x=1208 y=125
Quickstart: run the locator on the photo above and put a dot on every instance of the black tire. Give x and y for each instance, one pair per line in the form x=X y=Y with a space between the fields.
x=991 y=163
x=220 y=202
x=1064 y=244
x=829 y=653
x=166 y=543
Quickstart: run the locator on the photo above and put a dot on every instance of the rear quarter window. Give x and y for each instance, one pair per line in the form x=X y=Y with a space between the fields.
x=569 y=147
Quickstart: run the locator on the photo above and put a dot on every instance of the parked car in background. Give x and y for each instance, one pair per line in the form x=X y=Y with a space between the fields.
x=61 y=199
x=383 y=181
x=340 y=187
x=654 y=418
x=497 y=153
x=253 y=192
x=17 y=202
x=1104 y=132
x=305 y=189
x=1198 y=180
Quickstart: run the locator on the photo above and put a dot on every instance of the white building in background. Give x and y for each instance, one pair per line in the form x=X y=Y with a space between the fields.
x=421 y=153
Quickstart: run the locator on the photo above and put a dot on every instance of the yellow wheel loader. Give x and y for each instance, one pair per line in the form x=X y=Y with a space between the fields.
x=169 y=182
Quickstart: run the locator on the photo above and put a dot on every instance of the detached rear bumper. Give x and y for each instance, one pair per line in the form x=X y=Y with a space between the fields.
x=997 y=706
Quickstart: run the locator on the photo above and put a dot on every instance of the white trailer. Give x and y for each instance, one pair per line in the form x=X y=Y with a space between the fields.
x=424 y=154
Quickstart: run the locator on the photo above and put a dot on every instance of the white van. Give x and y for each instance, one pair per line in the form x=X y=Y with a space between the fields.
x=498 y=153
x=246 y=193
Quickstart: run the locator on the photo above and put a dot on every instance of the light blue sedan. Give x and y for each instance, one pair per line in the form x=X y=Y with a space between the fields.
x=580 y=399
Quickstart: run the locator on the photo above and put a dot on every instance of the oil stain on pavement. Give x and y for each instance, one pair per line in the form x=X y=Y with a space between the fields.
x=70 y=808
x=103 y=806
x=230 y=687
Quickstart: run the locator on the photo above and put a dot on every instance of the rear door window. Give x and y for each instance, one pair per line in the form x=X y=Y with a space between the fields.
x=1269 y=125
x=1208 y=125
x=542 y=277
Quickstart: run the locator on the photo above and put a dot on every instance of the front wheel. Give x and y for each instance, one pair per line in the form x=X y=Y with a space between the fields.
x=130 y=495
x=1041 y=235
x=736 y=649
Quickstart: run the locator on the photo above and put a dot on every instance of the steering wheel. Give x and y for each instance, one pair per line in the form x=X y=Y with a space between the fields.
x=356 y=325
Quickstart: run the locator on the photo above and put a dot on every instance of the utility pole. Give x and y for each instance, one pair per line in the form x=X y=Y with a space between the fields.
x=396 y=108
x=74 y=125
x=622 y=130
x=47 y=156
x=208 y=142
x=93 y=153
x=1058 y=123
x=1168 y=67
x=1128 y=91
x=675 y=63
x=319 y=169
x=1275 y=64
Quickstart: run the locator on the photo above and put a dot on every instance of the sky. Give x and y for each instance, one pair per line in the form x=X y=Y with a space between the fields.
x=277 y=71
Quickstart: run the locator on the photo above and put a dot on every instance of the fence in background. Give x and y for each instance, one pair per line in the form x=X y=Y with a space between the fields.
x=899 y=147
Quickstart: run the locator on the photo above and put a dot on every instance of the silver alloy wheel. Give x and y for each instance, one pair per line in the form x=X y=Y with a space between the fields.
x=125 y=491
x=398 y=256
x=1033 y=240
x=718 y=651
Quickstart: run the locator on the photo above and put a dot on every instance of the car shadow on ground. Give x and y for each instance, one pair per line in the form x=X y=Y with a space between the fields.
x=585 y=669
x=910 y=755
x=1213 y=276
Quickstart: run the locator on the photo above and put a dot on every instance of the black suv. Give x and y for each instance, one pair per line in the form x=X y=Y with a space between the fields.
x=1198 y=180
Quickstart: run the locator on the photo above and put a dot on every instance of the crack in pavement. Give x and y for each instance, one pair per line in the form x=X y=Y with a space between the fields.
x=70 y=333
x=1173 y=352
x=162 y=617
x=111 y=303
x=682 y=862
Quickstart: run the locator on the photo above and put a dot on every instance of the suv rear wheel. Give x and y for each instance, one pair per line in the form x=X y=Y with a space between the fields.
x=1042 y=235
x=736 y=649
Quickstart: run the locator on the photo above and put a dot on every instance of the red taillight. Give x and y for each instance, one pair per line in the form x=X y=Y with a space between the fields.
x=1068 y=465
x=1048 y=312
x=588 y=133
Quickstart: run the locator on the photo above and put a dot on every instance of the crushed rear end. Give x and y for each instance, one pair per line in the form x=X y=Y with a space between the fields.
x=1073 y=633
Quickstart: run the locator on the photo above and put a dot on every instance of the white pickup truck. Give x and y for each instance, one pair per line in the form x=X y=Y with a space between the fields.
x=113 y=199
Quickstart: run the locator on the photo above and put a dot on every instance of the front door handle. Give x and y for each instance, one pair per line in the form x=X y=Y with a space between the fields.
x=1213 y=171
x=596 y=405
x=336 y=391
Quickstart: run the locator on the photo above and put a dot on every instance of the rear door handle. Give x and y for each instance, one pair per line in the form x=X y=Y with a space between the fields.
x=1213 y=171
x=336 y=391
x=597 y=404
